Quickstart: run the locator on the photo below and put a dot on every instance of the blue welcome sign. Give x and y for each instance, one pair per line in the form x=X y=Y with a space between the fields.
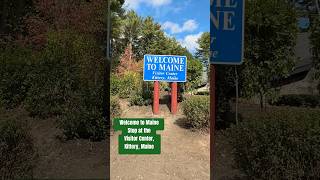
x=165 y=68
x=227 y=31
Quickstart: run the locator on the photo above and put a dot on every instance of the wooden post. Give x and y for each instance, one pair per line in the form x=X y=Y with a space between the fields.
x=156 y=95
x=237 y=93
x=212 y=117
x=174 y=98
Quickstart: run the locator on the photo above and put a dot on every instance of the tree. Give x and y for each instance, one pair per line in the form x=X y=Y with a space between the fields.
x=130 y=31
x=194 y=73
x=143 y=36
x=11 y=19
x=315 y=42
x=203 y=52
x=270 y=40
x=146 y=37
x=127 y=62
x=83 y=17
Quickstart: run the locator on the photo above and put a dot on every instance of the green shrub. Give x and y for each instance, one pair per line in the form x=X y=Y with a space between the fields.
x=48 y=98
x=54 y=77
x=82 y=116
x=298 y=100
x=16 y=150
x=203 y=93
x=142 y=98
x=114 y=85
x=115 y=109
x=196 y=109
x=65 y=81
x=126 y=85
x=66 y=65
x=139 y=100
x=281 y=144
x=15 y=66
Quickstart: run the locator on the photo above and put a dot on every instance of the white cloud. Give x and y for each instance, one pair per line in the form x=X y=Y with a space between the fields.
x=190 y=25
x=157 y=3
x=134 y=4
x=168 y=35
x=190 y=42
x=174 y=28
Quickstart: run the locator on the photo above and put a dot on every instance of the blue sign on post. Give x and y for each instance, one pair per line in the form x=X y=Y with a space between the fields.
x=165 y=68
x=227 y=31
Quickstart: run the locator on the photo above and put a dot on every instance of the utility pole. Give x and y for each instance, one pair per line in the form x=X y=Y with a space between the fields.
x=318 y=6
x=107 y=65
x=106 y=87
x=108 y=52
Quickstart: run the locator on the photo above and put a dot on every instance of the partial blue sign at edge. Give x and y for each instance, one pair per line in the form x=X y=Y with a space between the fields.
x=165 y=68
x=227 y=32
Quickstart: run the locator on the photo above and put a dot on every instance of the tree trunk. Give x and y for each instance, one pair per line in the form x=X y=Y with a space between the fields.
x=261 y=101
x=4 y=15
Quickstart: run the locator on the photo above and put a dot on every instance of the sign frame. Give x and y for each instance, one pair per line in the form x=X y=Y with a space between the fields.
x=228 y=62
x=168 y=81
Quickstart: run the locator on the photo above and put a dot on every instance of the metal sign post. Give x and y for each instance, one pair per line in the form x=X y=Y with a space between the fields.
x=107 y=67
x=106 y=84
x=226 y=47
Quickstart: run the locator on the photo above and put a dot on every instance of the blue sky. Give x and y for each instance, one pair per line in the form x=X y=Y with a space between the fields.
x=185 y=20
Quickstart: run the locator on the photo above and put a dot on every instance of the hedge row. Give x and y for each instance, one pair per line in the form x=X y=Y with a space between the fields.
x=281 y=144
x=64 y=79
x=17 y=153
x=15 y=68
x=298 y=100
x=82 y=116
